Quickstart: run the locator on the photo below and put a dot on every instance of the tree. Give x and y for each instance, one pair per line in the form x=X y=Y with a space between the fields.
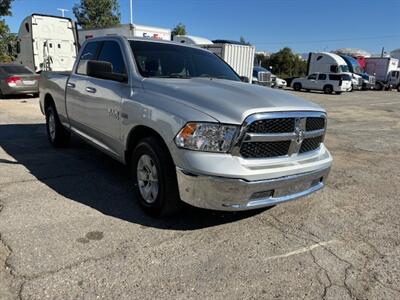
x=6 y=37
x=5 y=7
x=285 y=63
x=97 y=13
x=179 y=29
x=243 y=41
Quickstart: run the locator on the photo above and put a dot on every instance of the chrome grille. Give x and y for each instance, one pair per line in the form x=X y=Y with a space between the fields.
x=269 y=135
x=264 y=77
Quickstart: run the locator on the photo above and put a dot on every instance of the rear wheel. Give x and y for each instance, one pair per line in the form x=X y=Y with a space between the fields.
x=154 y=178
x=328 y=89
x=398 y=88
x=379 y=86
x=297 y=86
x=58 y=136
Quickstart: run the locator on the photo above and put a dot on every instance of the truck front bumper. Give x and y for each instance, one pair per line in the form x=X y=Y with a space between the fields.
x=232 y=194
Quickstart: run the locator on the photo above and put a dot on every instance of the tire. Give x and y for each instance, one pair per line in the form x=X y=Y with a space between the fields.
x=328 y=89
x=379 y=86
x=56 y=133
x=398 y=88
x=152 y=169
x=297 y=87
x=352 y=88
x=338 y=93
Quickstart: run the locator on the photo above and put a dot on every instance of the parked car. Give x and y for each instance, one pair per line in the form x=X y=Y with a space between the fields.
x=186 y=125
x=278 y=82
x=17 y=80
x=328 y=83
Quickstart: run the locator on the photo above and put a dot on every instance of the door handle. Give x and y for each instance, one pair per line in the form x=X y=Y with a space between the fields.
x=90 y=90
x=71 y=85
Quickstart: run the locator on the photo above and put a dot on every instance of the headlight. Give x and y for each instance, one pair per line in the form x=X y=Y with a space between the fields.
x=209 y=137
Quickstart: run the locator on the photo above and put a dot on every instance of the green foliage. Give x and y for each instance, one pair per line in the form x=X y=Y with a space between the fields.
x=243 y=41
x=6 y=37
x=285 y=63
x=179 y=29
x=5 y=7
x=97 y=13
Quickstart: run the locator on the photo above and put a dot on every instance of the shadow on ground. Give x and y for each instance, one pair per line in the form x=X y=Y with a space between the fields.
x=86 y=175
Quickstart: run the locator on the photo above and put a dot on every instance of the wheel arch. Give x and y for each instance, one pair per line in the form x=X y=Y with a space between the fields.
x=136 y=134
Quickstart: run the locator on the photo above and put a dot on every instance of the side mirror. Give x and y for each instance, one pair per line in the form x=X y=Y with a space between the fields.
x=103 y=70
x=244 y=79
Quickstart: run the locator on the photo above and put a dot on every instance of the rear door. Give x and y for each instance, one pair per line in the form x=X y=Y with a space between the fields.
x=76 y=103
x=321 y=81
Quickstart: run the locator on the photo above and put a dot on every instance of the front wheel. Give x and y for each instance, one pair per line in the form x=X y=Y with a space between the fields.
x=398 y=88
x=297 y=86
x=58 y=136
x=154 y=178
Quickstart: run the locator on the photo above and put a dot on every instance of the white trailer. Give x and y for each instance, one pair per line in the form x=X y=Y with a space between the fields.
x=127 y=30
x=386 y=71
x=240 y=57
x=47 y=43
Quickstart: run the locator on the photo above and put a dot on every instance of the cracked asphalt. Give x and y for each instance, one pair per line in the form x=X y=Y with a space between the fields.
x=70 y=228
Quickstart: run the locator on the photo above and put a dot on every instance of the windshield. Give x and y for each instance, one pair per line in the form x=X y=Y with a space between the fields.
x=13 y=69
x=173 y=61
x=343 y=68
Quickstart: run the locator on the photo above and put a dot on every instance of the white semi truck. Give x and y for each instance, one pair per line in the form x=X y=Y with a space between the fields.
x=128 y=31
x=47 y=43
x=386 y=71
x=239 y=56
x=326 y=62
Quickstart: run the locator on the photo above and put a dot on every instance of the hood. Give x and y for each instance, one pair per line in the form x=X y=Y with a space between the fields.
x=227 y=101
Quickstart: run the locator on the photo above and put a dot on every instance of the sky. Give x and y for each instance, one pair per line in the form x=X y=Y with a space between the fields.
x=303 y=25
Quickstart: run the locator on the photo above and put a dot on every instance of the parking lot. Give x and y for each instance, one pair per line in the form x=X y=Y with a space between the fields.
x=70 y=228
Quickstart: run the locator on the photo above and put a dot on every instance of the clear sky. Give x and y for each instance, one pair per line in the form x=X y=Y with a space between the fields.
x=303 y=25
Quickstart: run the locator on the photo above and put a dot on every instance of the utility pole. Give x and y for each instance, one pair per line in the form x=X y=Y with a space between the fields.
x=383 y=51
x=131 y=10
x=63 y=10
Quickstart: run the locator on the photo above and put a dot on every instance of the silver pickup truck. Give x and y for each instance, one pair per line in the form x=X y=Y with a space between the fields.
x=186 y=125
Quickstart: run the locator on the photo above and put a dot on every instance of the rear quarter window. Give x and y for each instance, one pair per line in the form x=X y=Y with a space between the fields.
x=334 y=77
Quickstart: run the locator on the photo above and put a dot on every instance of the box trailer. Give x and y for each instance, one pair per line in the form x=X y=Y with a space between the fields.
x=385 y=69
x=47 y=43
x=127 y=30
x=239 y=56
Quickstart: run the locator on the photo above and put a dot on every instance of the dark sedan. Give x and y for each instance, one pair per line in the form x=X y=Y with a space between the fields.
x=17 y=80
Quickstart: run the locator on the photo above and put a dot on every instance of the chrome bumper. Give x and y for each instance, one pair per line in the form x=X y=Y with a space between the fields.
x=230 y=194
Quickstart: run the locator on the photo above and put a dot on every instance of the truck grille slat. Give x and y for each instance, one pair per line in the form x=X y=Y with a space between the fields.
x=272 y=126
x=304 y=133
x=264 y=149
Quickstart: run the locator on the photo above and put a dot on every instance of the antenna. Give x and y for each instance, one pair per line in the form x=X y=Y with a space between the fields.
x=63 y=10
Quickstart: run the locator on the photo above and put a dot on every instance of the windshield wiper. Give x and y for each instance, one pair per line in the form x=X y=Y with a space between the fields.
x=212 y=76
x=174 y=76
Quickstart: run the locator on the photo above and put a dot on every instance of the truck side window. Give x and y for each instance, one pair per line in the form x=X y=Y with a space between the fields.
x=111 y=52
x=88 y=53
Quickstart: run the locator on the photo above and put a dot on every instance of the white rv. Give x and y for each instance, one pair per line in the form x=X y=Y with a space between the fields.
x=240 y=57
x=47 y=43
x=326 y=62
x=127 y=30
